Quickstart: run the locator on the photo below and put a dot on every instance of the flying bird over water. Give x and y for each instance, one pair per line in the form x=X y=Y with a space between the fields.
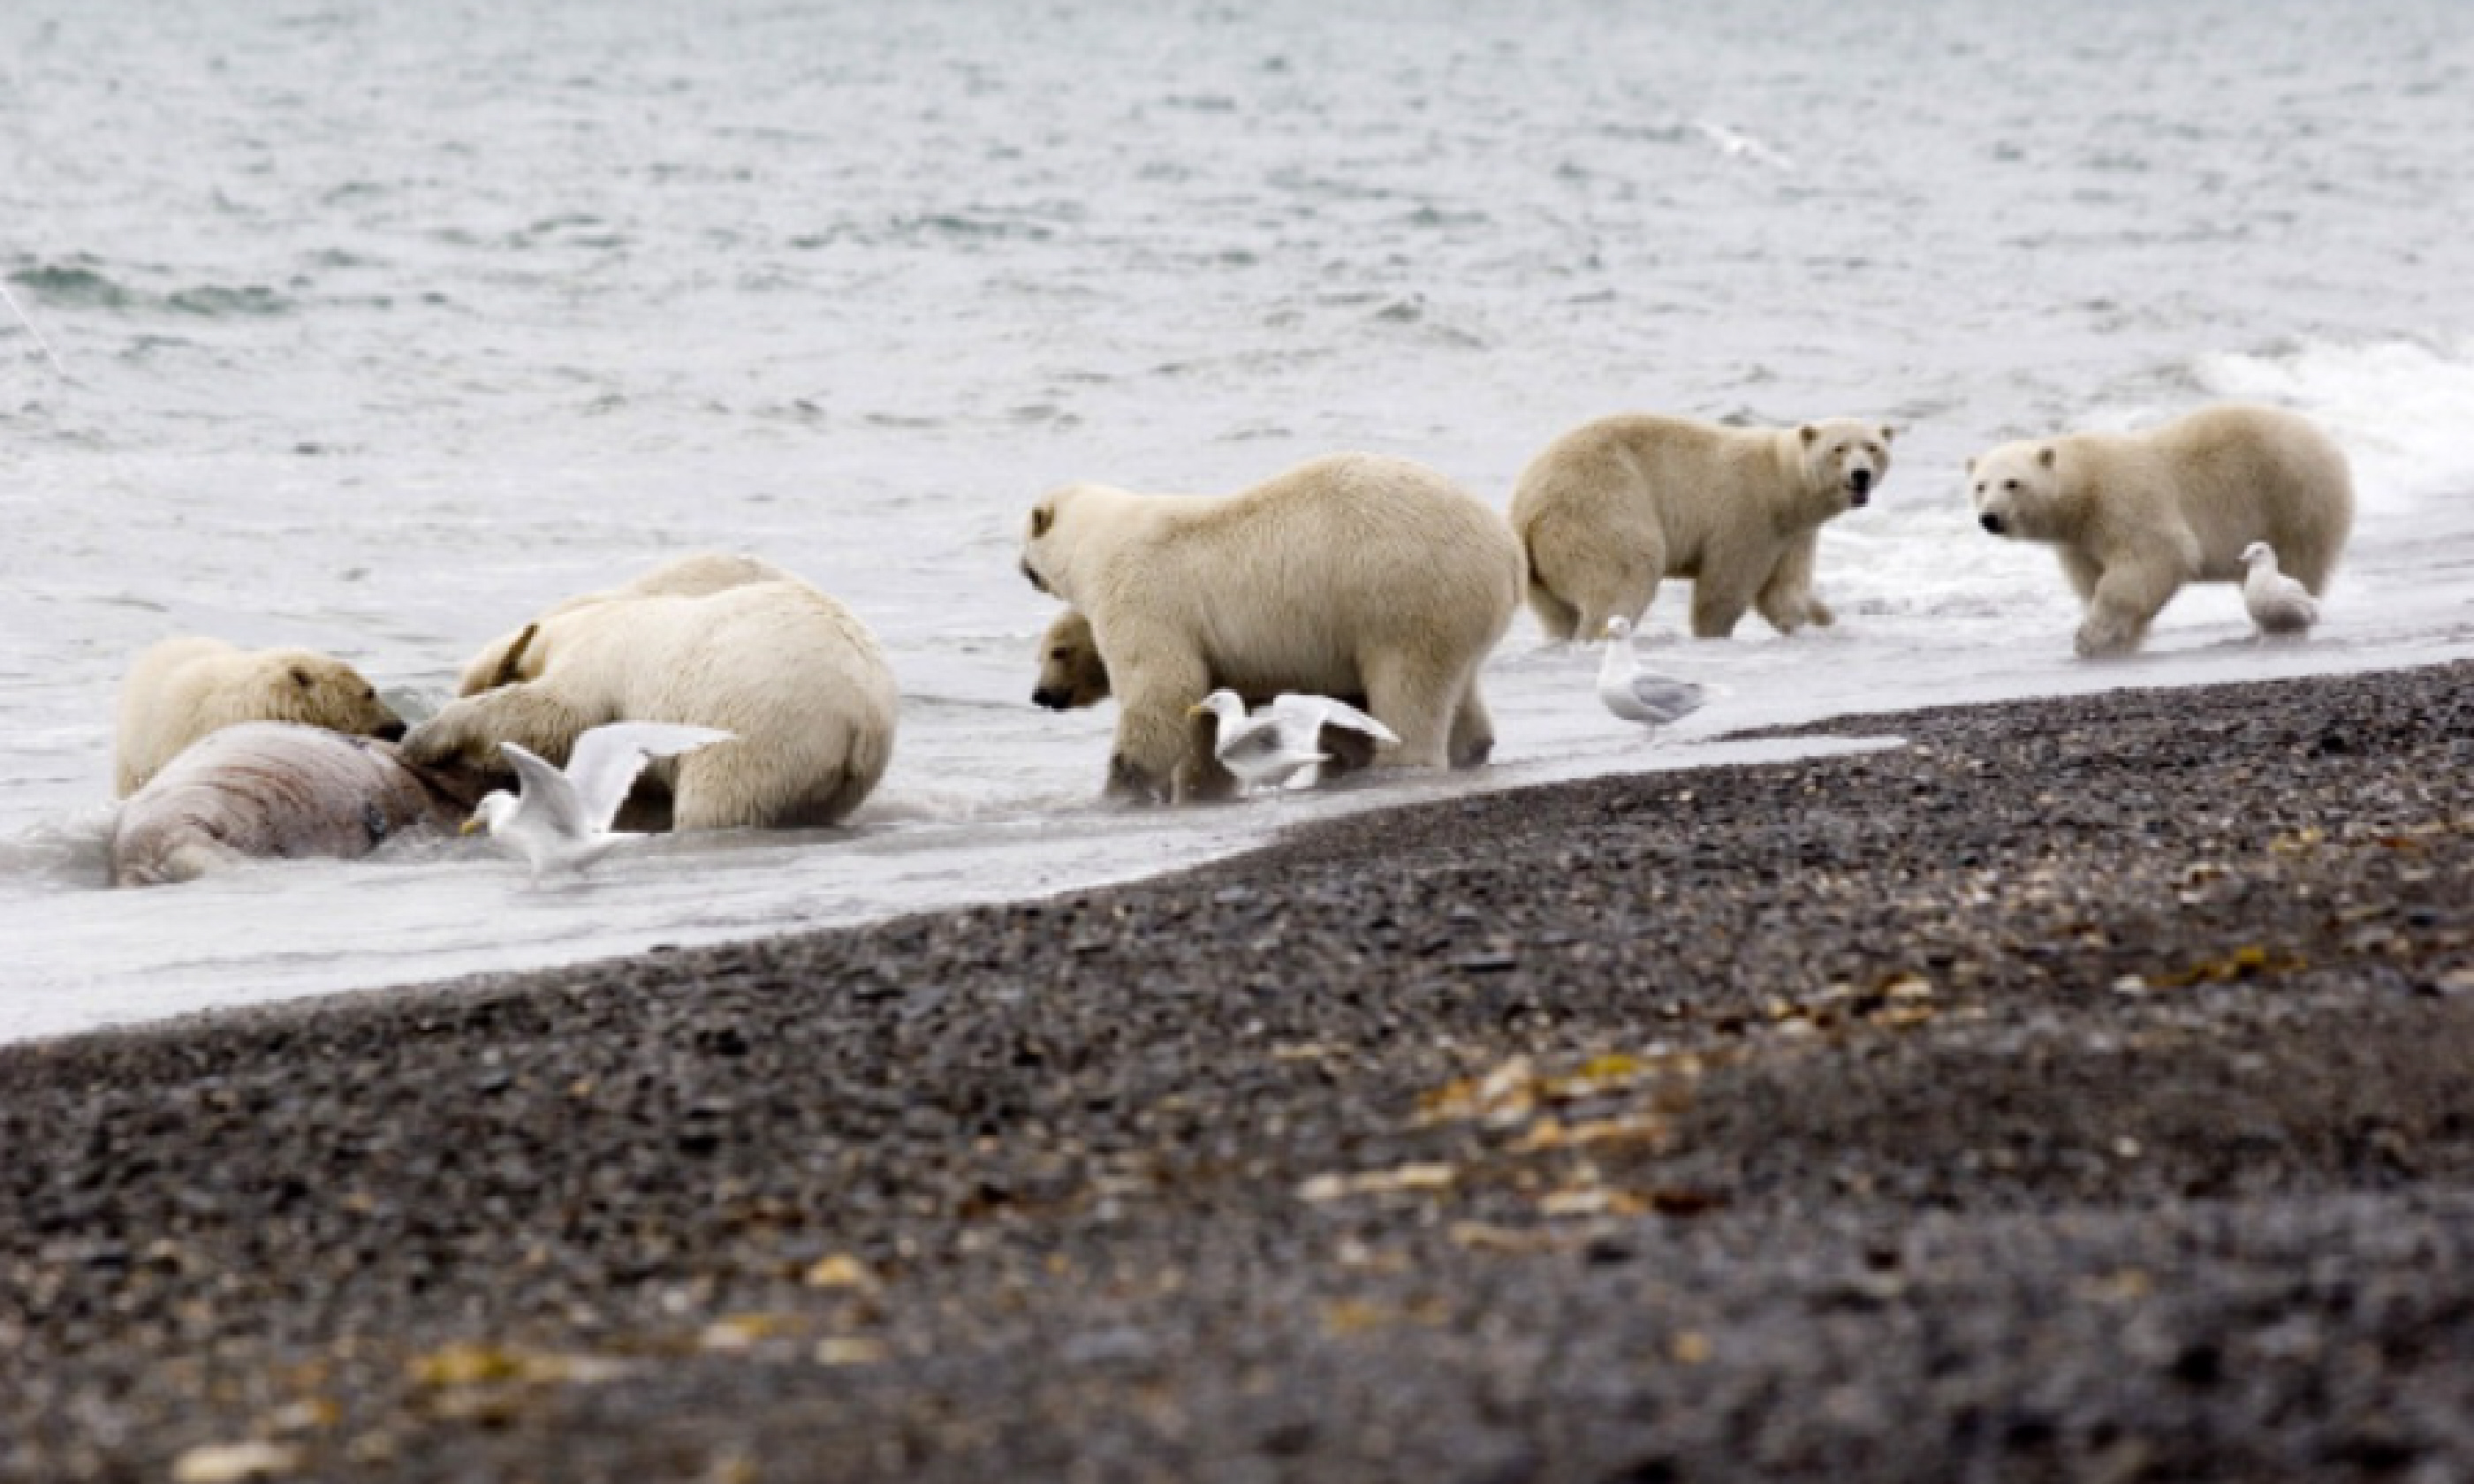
x=561 y=820
x=2279 y=605
x=1634 y=694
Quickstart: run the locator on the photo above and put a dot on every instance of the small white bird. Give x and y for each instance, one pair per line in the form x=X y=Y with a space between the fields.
x=562 y=820
x=1348 y=736
x=1637 y=695
x=1294 y=732
x=2279 y=605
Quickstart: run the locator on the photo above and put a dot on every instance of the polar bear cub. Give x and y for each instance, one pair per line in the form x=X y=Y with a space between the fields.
x=183 y=688
x=1615 y=506
x=2135 y=515
x=1348 y=575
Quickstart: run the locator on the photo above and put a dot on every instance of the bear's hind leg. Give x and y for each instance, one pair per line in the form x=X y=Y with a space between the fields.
x=1415 y=697
x=1472 y=729
x=1598 y=570
x=1557 y=618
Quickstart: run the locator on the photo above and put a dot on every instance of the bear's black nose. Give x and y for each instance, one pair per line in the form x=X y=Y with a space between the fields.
x=1862 y=479
x=1054 y=700
x=392 y=731
x=1991 y=522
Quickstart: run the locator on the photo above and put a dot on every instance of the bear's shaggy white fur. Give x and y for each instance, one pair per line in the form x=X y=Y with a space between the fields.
x=184 y=688
x=1612 y=507
x=1349 y=575
x=690 y=576
x=798 y=680
x=2135 y=515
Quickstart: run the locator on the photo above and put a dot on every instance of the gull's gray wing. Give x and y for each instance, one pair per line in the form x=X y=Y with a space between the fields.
x=1663 y=701
x=606 y=759
x=545 y=794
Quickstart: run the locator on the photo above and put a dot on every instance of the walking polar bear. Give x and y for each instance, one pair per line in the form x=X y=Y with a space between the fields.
x=796 y=679
x=1612 y=507
x=2135 y=515
x=1348 y=575
x=182 y=689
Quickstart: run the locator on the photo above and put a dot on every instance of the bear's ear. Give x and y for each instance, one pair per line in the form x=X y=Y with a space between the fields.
x=1889 y=434
x=1971 y=465
x=1807 y=433
x=510 y=668
x=2045 y=456
x=300 y=677
x=1042 y=517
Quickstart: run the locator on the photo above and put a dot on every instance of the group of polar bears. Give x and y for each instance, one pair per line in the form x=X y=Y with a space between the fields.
x=1368 y=578
x=1381 y=582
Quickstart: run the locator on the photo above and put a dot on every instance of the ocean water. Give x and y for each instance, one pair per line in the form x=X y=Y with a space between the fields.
x=376 y=328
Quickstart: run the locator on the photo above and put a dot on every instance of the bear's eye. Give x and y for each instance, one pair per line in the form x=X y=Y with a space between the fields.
x=2010 y=484
x=1061 y=653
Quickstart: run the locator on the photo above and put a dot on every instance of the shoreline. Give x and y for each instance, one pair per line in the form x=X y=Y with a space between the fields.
x=2077 y=1087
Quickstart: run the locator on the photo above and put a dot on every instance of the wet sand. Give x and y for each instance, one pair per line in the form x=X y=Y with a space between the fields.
x=2078 y=1089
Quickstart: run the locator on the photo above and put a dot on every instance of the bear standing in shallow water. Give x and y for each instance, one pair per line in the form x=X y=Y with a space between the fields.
x=1348 y=575
x=1612 y=508
x=2135 y=515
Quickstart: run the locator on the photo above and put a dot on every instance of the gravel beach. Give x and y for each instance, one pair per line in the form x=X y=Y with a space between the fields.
x=2075 y=1088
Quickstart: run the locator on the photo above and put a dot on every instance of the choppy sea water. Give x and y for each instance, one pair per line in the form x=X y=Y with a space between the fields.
x=376 y=329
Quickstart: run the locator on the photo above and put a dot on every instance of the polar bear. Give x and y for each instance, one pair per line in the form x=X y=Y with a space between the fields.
x=183 y=688
x=2135 y=515
x=793 y=674
x=690 y=576
x=1613 y=506
x=1348 y=575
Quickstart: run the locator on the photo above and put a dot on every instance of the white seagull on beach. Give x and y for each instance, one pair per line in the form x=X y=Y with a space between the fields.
x=562 y=820
x=2280 y=606
x=1294 y=732
x=1634 y=694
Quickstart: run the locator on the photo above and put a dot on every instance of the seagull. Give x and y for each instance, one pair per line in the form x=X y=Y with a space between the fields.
x=1349 y=737
x=2278 y=605
x=562 y=820
x=1261 y=751
x=1294 y=732
x=1633 y=694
